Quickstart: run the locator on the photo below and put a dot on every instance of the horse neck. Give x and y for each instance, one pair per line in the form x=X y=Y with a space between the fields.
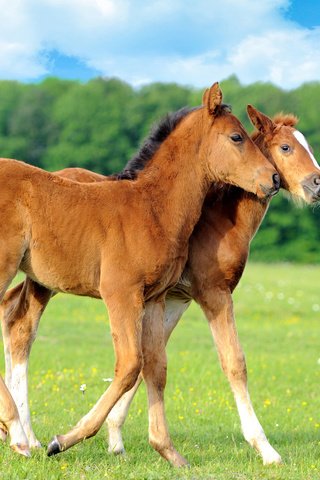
x=250 y=209
x=250 y=213
x=176 y=182
x=232 y=207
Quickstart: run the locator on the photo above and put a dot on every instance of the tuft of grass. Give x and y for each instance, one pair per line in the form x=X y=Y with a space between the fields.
x=277 y=310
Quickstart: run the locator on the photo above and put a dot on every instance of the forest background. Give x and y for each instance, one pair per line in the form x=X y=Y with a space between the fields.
x=100 y=124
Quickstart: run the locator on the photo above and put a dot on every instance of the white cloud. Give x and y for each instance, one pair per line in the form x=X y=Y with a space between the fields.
x=287 y=57
x=18 y=62
x=141 y=41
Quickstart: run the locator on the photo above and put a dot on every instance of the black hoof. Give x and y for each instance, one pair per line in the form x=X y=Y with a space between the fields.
x=54 y=447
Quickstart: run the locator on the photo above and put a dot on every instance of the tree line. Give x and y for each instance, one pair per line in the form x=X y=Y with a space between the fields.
x=100 y=124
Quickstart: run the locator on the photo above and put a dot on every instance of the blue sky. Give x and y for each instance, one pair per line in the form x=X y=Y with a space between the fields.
x=141 y=41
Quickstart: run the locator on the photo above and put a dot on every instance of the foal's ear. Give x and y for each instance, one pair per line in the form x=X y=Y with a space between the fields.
x=262 y=123
x=212 y=98
x=205 y=97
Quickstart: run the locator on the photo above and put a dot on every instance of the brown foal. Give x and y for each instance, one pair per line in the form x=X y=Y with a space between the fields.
x=218 y=253
x=81 y=238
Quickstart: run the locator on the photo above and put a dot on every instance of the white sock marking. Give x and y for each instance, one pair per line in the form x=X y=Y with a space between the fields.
x=253 y=431
x=19 y=391
x=17 y=434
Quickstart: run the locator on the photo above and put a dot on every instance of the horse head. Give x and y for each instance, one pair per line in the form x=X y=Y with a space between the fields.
x=242 y=163
x=289 y=152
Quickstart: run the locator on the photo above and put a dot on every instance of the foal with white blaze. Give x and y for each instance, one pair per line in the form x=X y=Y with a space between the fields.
x=218 y=251
x=82 y=239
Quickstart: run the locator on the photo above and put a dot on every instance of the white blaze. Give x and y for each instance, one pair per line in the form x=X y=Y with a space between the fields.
x=301 y=139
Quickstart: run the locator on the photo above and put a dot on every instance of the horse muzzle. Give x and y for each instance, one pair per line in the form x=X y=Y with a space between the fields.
x=311 y=188
x=271 y=189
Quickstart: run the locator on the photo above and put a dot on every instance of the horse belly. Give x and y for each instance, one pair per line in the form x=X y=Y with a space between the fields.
x=67 y=274
x=175 y=305
x=164 y=279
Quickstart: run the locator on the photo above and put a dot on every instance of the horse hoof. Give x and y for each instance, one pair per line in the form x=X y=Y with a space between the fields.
x=274 y=460
x=177 y=460
x=54 y=447
x=116 y=447
x=21 y=449
x=35 y=444
x=271 y=456
x=117 y=451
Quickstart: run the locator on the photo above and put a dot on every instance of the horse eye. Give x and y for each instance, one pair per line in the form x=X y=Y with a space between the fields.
x=285 y=148
x=236 y=137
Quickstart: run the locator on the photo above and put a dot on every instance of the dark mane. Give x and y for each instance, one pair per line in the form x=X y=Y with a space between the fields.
x=152 y=143
x=158 y=134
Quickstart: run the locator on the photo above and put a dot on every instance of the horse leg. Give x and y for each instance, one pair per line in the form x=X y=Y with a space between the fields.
x=22 y=308
x=174 y=308
x=154 y=374
x=117 y=417
x=9 y=418
x=9 y=301
x=219 y=311
x=125 y=315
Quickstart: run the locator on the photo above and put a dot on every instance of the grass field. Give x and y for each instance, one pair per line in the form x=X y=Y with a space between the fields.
x=278 y=313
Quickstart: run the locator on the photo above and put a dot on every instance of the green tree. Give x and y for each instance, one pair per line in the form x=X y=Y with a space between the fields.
x=100 y=124
x=92 y=125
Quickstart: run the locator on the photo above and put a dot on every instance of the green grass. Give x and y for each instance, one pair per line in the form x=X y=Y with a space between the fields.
x=277 y=308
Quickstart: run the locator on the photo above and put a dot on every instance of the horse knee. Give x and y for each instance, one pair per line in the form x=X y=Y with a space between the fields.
x=235 y=369
x=127 y=374
x=157 y=373
x=239 y=373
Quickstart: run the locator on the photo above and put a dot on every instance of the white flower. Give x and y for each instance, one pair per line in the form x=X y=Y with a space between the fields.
x=83 y=388
x=107 y=379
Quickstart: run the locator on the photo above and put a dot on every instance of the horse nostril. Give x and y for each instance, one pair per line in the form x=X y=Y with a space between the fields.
x=276 y=180
x=316 y=180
